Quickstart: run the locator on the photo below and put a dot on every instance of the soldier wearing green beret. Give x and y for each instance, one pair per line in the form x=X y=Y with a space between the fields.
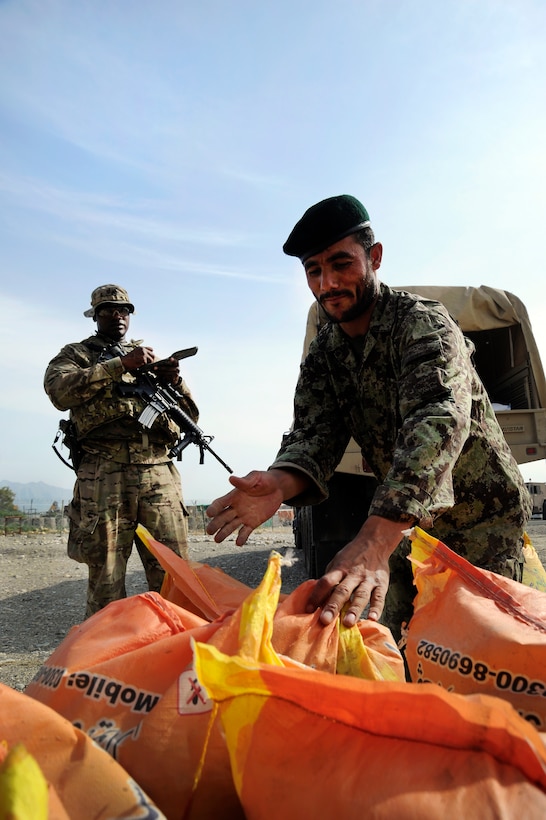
x=125 y=476
x=394 y=371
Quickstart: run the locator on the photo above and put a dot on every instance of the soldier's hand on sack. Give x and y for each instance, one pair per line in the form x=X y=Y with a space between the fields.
x=137 y=357
x=358 y=574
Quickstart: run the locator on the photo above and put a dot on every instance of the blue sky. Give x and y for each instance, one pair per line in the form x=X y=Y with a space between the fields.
x=170 y=147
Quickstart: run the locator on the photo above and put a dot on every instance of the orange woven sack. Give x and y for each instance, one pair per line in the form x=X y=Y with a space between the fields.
x=206 y=591
x=81 y=780
x=308 y=744
x=474 y=631
x=262 y=629
x=125 y=676
x=368 y=651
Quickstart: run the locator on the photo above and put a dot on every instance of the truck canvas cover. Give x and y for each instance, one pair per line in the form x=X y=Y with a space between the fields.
x=483 y=308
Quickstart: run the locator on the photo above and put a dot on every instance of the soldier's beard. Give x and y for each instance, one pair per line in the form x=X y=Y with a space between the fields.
x=368 y=296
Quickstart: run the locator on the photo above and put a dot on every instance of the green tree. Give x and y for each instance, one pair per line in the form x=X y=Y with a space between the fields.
x=7 y=497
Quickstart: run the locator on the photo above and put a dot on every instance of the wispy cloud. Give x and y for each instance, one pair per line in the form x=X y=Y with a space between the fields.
x=113 y=212
x=114 y=228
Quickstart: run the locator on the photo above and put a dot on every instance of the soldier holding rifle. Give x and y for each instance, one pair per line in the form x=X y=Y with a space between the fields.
x=125 y=474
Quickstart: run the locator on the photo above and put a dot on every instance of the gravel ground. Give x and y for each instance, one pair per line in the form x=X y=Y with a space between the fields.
x=42 y=591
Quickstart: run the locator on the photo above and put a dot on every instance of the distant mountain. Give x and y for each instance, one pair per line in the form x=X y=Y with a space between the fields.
x=37 y=496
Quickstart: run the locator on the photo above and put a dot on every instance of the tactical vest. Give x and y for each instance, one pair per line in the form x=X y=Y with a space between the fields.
x=108 y=405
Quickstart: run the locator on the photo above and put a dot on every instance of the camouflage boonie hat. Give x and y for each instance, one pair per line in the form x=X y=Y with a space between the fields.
x=109 y=295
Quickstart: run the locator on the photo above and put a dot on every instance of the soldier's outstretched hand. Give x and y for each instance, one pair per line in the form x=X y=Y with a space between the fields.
x=255 y=499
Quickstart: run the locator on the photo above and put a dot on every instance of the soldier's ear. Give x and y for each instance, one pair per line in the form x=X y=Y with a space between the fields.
x=376 y=255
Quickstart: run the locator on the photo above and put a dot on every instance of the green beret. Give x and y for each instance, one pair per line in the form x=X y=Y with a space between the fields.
x=324 y=224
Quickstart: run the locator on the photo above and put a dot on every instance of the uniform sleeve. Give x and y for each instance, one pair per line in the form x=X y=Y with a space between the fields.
x=72 y=379
x=435 y=386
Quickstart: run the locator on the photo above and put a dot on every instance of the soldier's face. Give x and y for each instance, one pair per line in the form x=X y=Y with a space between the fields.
x=112 y=321
x=342 y=278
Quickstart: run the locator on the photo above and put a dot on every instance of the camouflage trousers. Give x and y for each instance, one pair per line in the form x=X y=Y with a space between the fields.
x=110 y=500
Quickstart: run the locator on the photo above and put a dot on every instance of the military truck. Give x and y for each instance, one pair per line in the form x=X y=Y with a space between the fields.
x=509 y=365
x=537 y=491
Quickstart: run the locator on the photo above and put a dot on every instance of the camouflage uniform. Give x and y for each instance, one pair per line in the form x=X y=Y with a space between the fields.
x=409 y=395
x=125 y=477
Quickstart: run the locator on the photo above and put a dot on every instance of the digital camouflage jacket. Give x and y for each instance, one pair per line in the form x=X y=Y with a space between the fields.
x=409 y=395
x=83 y=378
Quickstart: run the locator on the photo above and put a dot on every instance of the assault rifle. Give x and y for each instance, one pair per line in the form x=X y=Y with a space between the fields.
x=163 y=398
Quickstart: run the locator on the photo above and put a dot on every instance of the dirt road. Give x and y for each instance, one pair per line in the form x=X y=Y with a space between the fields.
x=42 y=592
